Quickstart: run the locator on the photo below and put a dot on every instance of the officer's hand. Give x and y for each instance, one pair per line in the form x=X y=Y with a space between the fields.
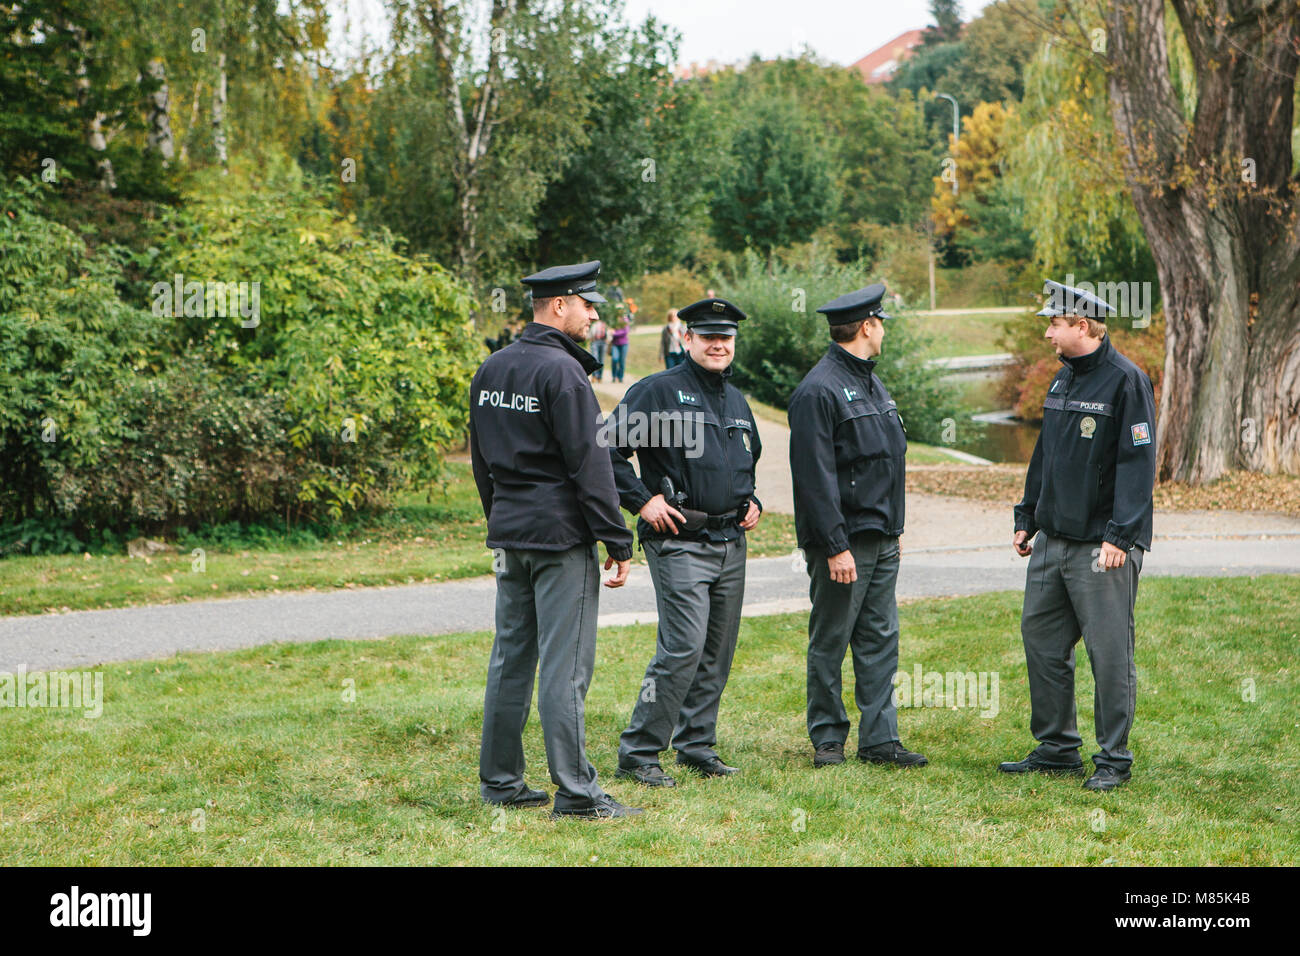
x=751 y=517
x=844 y=570
x=660 y=514
x=1111 y=556
x=1022 y=545
x=620 y=576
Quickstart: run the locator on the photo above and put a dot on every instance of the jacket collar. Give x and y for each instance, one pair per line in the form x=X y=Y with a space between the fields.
x=1082 y=364
x=539 y=334
x=862 y=368
x=711 y=381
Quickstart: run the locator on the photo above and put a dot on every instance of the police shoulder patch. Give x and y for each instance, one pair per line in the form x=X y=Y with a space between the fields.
x=1141 y=434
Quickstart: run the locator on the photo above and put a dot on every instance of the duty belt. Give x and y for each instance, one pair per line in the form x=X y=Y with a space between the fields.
x=718 y=522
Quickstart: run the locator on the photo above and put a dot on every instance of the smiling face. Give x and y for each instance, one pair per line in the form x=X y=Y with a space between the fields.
x=710 y=351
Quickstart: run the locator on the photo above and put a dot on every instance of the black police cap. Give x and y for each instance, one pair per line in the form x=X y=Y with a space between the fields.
x=578 y=279
x=1067 y=300
x=855 y=306
x=712 y=317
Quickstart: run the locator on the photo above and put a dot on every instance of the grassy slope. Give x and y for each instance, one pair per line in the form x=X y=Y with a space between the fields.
x=286 y=771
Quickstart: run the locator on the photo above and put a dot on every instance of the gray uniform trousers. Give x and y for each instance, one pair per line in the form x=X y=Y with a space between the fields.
x=699 y=590
x=1066 y=597
x=546 y=612
x=864 y=616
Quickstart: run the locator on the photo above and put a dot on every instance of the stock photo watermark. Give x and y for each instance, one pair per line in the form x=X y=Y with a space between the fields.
x=208 y=299
x=675 y=429
x=1130 y=300
x=950 y=690
x=55 y=690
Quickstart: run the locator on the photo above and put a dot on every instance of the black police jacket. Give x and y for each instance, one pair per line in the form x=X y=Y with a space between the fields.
x=693 y=426
x=1094 y=464
x=847 y=453
x=543 y=476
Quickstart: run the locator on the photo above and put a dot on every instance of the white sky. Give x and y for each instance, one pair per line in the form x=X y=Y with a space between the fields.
x=840 y=31
x=728 y=31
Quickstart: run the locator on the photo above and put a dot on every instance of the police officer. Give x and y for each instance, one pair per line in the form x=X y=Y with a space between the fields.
x=847 y=448
x=548 y=493
x=696 y=440
x=1088 y=496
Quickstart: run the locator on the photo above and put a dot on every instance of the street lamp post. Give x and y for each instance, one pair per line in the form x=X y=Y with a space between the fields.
x=956 y=132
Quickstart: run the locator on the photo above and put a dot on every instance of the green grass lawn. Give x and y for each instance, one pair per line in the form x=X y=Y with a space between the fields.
x=256 y=757
x=973 y=333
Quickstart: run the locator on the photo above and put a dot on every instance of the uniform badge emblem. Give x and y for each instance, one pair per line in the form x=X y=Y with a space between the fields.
x=1087 y=426
x=744 y=437
x=1141 y=434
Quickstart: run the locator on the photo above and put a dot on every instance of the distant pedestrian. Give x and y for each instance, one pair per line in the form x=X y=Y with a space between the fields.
x=618 y=345
x=671 y=352
x=599 y=339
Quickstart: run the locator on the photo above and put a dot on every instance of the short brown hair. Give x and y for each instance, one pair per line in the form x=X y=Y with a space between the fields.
x=1096 y=329
x=846 y=332
x=544 y=303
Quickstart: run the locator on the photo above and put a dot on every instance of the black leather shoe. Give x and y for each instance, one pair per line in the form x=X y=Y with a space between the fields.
x=604 y=808
x=713 y=767
x=827 y=754
x=649 y=774
x=524 y=798
x=1106 y=778
x=1036 y=764
x=892 y=752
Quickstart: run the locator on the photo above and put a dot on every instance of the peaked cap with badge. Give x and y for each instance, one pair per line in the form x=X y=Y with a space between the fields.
x=856 y=306
x=1067 y=300
x=712 y=317
x=577 y=279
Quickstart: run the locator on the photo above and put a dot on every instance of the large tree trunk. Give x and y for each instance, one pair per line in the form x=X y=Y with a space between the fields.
x=1227 y=248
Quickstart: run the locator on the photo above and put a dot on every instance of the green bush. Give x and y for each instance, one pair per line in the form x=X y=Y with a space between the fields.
x=370 y=351
x=786 y=337
x=119 y=418
x=67 y=343
x=188 y=444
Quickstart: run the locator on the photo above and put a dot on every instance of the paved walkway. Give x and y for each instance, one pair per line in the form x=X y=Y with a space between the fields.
x=965 y=552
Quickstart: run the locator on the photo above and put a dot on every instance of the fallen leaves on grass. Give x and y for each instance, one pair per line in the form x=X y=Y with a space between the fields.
x=1237 y=491
x=995 y=484
x=1004 y=485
